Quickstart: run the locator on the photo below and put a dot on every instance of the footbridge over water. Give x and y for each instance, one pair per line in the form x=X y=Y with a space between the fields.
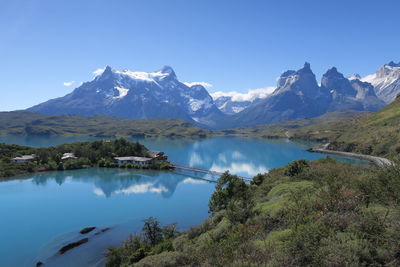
x=213 y=175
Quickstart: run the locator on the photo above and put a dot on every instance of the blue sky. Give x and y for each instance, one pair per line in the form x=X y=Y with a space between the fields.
x=233 y=45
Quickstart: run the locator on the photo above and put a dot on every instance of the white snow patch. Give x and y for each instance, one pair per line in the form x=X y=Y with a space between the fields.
x=122 y=92
x=145 y=76
x=98 y=71
x=204 y=84
x=370 y=79
x=251 y=95
x=237 y=109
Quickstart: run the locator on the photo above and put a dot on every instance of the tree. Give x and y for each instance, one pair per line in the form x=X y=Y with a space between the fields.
x=152 y=231
x=296 y=167
x=229 y=187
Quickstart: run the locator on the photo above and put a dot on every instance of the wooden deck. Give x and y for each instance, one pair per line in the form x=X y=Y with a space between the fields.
x=207 y=172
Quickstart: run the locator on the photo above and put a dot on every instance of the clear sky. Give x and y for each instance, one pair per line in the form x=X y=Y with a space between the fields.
x=233 y=45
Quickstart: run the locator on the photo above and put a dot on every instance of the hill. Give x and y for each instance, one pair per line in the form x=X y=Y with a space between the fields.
x=30 y=123
x=373 y=133
x=280 y=129
x=319 y=213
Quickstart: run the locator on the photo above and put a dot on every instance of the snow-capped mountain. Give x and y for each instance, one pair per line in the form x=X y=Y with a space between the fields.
x=349 y=93
x=138 y=95
x=298 y=95
x=146 y=95
x=386 y=81
x=233 y=102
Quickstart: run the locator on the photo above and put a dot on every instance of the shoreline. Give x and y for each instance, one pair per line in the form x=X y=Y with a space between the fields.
x=379 y=161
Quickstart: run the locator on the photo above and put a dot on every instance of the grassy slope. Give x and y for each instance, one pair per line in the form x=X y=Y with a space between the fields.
x=375 y=133
x=323 y=213
x=103 y=126
x=279 y=129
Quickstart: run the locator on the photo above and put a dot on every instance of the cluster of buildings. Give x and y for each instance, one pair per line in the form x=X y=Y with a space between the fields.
x=24 y=158
x=142 y=161
x=27 y=158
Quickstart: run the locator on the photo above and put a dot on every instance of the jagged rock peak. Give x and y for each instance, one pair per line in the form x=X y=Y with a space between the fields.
x=306 y=68
x=355 y=76
x=392 y=64
x=333 y=72
x=108 y=72
x=288 y=73
x=168 y=70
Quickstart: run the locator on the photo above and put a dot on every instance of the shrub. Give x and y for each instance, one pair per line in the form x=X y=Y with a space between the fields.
x=228 y=187
x=296 y=167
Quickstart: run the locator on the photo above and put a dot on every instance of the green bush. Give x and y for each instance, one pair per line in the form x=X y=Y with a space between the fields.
x=296 y=167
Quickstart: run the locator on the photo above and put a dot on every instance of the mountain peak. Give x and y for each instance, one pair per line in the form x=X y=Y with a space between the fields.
x=107 y=73
x=306 y=68
x=108 y=69
x=355 y=76
x=333 y=72
x=392 y=64
x=168 y=70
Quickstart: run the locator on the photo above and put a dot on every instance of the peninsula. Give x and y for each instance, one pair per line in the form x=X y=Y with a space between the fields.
x=16 y=160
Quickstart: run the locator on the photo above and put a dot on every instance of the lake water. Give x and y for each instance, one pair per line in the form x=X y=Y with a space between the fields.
x=42 y=212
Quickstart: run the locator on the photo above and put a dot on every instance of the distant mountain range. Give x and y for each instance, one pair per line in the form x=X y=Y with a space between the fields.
x=138 y=95
x=142 y=95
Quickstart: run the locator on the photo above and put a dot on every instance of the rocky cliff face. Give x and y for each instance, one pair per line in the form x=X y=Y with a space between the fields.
x=298 y=95
x=349 y=93
x=386 y=81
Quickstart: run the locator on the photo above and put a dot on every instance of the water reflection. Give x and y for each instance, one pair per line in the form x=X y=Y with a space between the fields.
x=243 y=156
x=112 y=182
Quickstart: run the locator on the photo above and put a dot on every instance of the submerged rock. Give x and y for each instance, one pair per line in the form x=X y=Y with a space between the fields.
x=73 y=245
x=102 y=230
x=87 y=230
x=39 y=263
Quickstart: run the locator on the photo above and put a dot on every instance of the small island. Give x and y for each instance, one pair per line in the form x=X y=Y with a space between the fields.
x=119 y=153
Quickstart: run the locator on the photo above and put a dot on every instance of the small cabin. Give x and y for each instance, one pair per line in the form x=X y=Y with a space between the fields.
x=133 y=160
x=68 y=156
x=24 y=159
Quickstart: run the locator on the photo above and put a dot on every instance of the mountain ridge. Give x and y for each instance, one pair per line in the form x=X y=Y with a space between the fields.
x=137 y=95
x=160 y=94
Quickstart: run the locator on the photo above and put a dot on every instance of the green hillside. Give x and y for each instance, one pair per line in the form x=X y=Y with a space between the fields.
x=375 y=133
x=29 y=123
x=319 y=213
x=279 y=129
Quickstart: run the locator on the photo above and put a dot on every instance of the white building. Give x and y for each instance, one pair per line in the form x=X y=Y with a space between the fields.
x=132 y=160
x=67 y=156
x=24 y=158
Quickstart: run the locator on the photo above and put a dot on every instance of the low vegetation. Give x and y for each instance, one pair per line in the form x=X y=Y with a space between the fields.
x=30 y=123
x=308 y=213
x=88 y=154
x=375 y=133
x=279 y=129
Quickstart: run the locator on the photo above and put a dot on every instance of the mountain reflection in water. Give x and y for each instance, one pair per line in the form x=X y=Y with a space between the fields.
x=109 y=183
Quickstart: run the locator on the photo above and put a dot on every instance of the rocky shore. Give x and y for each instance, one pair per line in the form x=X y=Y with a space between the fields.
x=379 y=161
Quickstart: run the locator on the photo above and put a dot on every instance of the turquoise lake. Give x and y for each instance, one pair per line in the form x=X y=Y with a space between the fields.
x=42 y=212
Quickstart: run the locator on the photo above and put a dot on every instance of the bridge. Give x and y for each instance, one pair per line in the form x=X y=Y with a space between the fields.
x=213 y=173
